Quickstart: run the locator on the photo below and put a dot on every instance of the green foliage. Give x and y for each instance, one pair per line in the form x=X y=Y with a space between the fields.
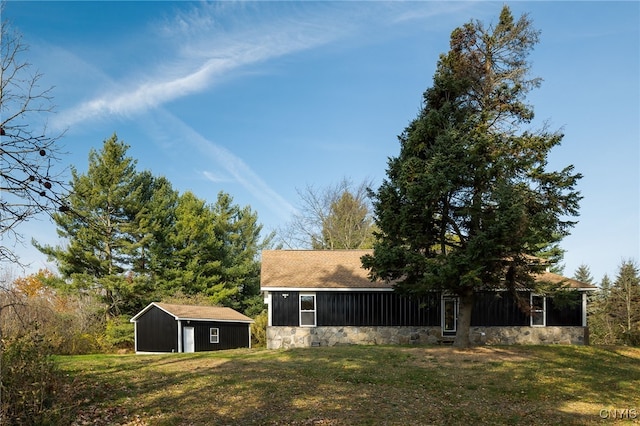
x=348 y=224
x=132 y=239
x=468 y=203
x=28 y=380
x=614 y=311
x=119 y=333
x=216 y=252
x=583 y=274
x=259 y=330
x=101 y=203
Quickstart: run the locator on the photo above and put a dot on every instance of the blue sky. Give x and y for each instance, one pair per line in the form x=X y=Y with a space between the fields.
x=261 y=99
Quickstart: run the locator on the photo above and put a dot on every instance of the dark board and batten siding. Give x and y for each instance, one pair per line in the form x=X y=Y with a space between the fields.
x=499 y=308
x=490 y=308
x=231 y=335
x=362 y=309
x=156 y=331
x=358 y=309
x=285 y=308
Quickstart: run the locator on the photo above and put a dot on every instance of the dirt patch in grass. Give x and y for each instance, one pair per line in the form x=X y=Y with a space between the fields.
x=354 y=385
x=448 y=355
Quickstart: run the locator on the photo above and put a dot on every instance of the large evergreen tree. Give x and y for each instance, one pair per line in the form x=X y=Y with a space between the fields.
x=133 y=239
x=624 y=303
x=97 y=229
x=214 y=251
x=239 y=231
x=601 y=325
x=469 y=201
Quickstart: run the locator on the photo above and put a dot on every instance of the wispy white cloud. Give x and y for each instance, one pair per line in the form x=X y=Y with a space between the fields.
x=208 y=44
x=236 y=169
x=197 y=54
x=216 y=177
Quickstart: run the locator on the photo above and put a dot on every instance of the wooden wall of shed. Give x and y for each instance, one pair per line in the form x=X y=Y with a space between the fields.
x=230 y=335
x=156 y=331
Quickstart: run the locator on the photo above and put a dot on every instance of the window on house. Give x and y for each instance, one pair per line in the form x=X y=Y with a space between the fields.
x=538 y=310
x=307 y=310
x=214 y=335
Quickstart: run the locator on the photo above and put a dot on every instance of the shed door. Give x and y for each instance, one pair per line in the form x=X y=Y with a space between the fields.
x=188 y=340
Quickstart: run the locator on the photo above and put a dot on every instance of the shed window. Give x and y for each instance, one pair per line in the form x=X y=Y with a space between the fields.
x=307 y=310
x=538 y=310
x=214 y=335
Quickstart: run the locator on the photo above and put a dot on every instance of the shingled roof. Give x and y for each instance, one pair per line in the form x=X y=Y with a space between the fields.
x=340 y=269
x=198 y=313
x=322 y=269
x=565 y=282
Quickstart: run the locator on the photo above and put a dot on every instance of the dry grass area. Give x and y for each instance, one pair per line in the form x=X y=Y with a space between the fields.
x=356 y=385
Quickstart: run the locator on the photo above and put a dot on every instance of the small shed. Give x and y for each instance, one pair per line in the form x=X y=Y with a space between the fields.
x=164 y=327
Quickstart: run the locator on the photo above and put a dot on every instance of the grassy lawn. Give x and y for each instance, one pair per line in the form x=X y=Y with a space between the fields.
x=357 y=385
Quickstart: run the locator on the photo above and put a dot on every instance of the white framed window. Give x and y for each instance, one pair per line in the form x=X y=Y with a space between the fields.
x=307 y=309
x=538 y=310
x=214 y=335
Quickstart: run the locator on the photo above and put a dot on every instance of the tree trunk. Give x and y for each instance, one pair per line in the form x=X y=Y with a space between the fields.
x=464 y=320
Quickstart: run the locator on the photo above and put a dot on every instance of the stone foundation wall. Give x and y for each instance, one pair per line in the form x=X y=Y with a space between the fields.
x=529 y=335
x=300 y=337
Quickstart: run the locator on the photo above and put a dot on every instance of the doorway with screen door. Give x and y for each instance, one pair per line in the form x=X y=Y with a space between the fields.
x=449 y=315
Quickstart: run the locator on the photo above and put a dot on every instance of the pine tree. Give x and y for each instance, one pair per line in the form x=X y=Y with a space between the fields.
x=601 y=326
x=468 y=202
x=99 y=245
x=583 y=274
x=625 y=303
x=215 y=253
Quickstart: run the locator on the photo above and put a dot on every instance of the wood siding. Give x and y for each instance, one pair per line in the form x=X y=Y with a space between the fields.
x=230 y=335
x=285 y=311
x=376 y=309
x=336 y=308
x=357 y=309
x=157 y=331
x=497 y=308
x=500 y=309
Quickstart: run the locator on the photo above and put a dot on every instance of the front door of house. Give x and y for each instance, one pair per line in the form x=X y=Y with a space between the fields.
x=188 y=339
x=449 y=316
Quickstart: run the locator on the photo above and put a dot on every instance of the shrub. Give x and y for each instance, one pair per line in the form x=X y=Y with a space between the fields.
x=28 y=381
x=259 y=330
x=119 y=334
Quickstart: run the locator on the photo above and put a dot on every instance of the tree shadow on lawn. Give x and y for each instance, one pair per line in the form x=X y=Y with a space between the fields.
x=363 y=385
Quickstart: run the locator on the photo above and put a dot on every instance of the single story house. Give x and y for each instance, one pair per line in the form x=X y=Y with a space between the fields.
x=325 y=298
x=164 y=327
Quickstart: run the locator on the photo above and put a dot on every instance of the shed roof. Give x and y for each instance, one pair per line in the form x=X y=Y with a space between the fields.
x=340 y=269
x=194 y=312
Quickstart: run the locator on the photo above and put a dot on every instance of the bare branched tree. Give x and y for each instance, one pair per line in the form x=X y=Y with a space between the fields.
x=28 y=184
x=337 y=217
